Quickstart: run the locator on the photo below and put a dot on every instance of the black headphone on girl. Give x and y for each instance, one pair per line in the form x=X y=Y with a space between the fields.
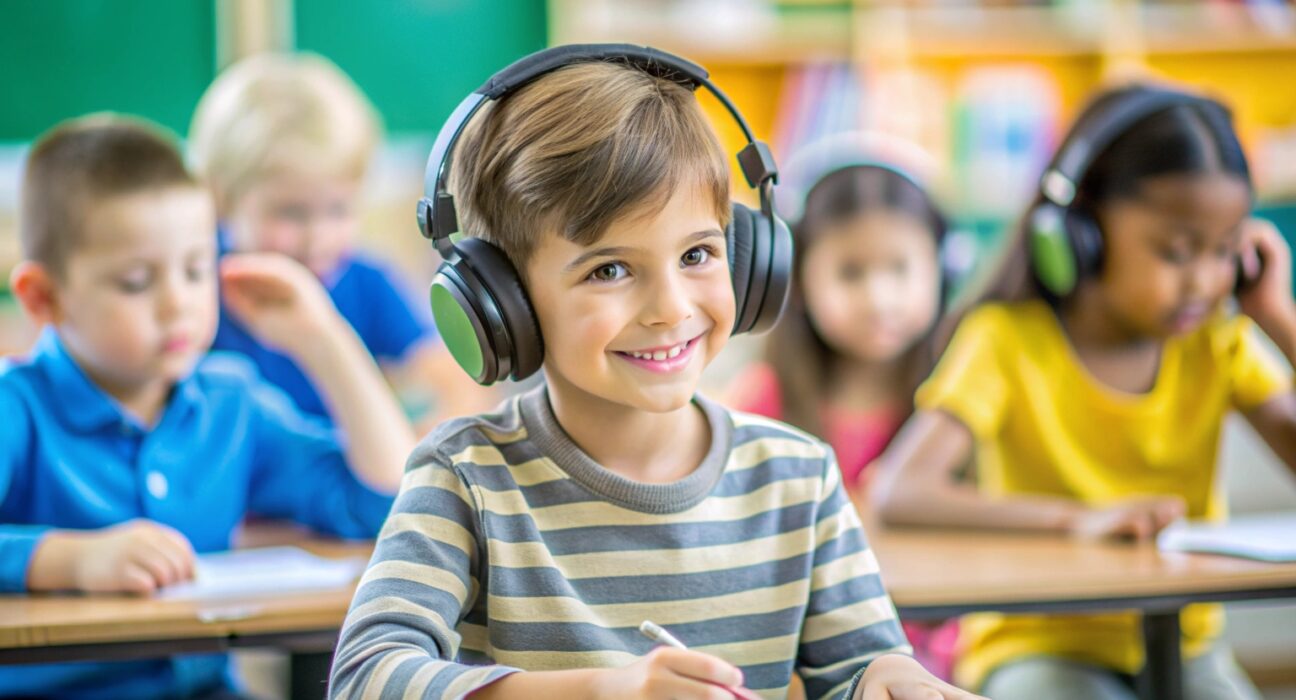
x=1064 y=240
x=478 y=301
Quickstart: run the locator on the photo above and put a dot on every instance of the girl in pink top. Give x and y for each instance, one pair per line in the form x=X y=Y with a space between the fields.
x=860 y=330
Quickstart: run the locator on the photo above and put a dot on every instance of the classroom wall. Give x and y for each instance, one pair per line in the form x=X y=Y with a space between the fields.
x=414 y=59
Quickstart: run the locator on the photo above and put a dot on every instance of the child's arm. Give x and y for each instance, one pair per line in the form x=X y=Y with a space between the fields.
x=663 y=674
x=917 y=485
x=139 y=556
x=421 y=582
x=1269 y=302
x=284 y=305
x=398 y=329
x=851 y=637
x=429 y=367
x=136 y=557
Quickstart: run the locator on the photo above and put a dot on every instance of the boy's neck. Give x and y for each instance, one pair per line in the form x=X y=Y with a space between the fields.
x=643 y=446
x=144 y=402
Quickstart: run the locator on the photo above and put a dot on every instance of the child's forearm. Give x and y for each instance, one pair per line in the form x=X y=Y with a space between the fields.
x=960 y=505
x=1283 y=334
x=378 y=435
x=53 y=562
x=577 y=684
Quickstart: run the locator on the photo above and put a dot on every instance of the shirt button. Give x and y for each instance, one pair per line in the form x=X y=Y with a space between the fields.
x=157 y=485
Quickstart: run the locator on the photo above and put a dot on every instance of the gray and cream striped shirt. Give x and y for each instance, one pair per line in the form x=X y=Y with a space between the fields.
x=510 y=549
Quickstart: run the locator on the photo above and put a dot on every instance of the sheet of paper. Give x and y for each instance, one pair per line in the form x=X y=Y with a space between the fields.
x=243 y=573
x=1267 y=536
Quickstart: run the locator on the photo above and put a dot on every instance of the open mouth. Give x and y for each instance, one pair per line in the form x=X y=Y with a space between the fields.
x=663 y=359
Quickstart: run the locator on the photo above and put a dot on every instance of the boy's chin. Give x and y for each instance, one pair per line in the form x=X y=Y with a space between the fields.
x=664 y=399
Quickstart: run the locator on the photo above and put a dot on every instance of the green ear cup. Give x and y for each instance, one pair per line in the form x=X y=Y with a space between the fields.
x=1050 y=251
x=457 y=330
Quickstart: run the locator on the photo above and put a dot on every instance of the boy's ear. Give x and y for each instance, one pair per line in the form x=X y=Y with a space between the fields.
x=33 y=285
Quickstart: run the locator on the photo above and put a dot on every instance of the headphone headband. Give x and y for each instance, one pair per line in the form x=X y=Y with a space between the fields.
x=1065 y=242
x=1091 y=137
x=650 y=60
x=436 y=212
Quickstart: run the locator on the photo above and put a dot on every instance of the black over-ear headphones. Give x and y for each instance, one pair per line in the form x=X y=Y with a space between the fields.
x=1065 y=241
x=478 y=300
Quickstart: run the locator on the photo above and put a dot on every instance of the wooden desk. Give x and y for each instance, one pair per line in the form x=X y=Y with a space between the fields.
x=930 y=573
x=50 y=628
x=939 y=573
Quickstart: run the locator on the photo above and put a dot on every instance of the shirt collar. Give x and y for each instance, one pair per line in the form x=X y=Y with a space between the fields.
x=82 y=404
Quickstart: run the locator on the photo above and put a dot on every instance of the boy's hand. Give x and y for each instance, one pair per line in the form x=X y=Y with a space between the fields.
x=671 y=674
x=1136 y=518
x=137 y=556
x=280 y=301
x=899 y=677
x=1266 y=260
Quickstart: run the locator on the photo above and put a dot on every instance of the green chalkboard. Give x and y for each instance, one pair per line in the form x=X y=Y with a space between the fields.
x=414 y=58
x=63 y=58
x=417 y=58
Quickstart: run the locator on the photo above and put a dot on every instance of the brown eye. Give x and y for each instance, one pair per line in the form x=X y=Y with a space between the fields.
x=608 y=272
x=696 y=256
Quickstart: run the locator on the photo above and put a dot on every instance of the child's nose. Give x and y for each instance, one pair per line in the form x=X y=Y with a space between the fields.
x=669 y=303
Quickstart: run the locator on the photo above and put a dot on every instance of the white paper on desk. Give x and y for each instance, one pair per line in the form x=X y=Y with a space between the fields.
x=264 y=571
x=1267 y=536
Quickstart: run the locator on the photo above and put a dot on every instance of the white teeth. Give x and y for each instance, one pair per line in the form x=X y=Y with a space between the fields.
x=658 y=355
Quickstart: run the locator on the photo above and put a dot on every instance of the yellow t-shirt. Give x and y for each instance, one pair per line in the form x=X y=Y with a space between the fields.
x=1044 y=425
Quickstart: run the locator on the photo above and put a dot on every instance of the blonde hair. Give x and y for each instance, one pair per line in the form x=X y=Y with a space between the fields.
x=275 y=113
x=579 y=148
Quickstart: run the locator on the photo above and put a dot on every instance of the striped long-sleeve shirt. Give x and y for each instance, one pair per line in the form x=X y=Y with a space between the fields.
x=510 y=549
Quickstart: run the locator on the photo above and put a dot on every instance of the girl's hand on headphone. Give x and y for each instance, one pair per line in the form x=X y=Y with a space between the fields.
x=1267 y=298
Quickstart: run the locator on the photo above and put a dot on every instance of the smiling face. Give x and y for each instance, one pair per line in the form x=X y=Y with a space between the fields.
x=1170 y=252
x=632 y=319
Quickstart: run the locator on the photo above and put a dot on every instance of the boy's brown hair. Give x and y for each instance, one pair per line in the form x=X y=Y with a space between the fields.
x=79 y=163
x=577 y=149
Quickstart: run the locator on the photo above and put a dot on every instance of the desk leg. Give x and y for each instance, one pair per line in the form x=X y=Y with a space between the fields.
x=1162 y=676
x=308 y=679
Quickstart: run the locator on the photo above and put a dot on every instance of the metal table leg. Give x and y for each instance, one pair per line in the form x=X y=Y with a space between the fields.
x=309 y=675
x=1162 y=675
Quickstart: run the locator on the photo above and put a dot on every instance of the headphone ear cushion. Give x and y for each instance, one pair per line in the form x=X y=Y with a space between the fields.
x=739 y=241
x=1052 y=251
x=1086 y=240
x=464 y=328
x=498 y=277
x=777 y=282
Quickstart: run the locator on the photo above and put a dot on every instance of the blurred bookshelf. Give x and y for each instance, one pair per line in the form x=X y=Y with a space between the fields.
x=987 y=87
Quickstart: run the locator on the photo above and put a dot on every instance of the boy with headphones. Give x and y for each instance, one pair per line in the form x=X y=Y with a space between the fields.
x=527 y=546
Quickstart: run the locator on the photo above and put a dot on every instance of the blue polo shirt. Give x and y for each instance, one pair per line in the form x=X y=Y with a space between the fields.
x=227 y=444
x=371 y=296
